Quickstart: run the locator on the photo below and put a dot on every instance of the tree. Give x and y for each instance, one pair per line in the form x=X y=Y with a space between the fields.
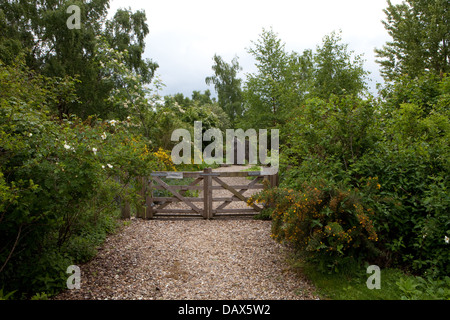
x=127 y=31
x=57 y=51
x=420 y=31
x=10 y=43
x=54 y=50
x=227 y=86
x=273 y=90
x=335 y=71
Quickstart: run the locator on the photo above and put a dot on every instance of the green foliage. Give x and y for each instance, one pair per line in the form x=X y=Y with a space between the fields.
x=126 y=32
x=418 y=288
x=402 y=145
x=351 y=285
x=228 y=86
x=412 y=167
x=420 y=39
x=285 y=80
x=363 y=179
x=423 y=91
x=181 y=112
x=325 y=138
x=58 y=182
x=325 y=224
x=335 y=71
x=6 y=296
x=270 y=92
x=59 y=52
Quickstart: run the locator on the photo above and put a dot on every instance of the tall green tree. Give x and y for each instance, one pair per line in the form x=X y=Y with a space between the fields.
x=57 y=51
x=337 y=71
x=227 y=86
x=420 y=31
x=271 y=91
x=127 y=31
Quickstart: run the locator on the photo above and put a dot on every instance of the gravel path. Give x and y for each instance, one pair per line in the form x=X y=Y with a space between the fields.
x=191 y=259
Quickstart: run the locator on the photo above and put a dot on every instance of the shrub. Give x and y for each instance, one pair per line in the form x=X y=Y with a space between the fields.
x=403 y=143
x=326 y=223
x=59 y=182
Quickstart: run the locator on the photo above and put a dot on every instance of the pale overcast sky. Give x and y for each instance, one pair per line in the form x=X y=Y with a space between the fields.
x=185 y=34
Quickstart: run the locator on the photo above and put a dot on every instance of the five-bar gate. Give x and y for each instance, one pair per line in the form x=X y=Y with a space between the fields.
x=179 y=200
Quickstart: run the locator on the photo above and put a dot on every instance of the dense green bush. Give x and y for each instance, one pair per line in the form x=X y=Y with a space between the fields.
x=400 y=142
x=59 y=182
x=412 y=165
x=325 y=224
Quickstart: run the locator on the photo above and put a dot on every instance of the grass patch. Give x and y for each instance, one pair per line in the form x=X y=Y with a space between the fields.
x=353 y=287
x=395 y=284
x=252 y=168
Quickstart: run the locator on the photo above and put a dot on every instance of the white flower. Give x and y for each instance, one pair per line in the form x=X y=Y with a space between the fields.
x=30 y=134
x=67 y=147
x=94 y=150
x=446 y=239
x=103 y=167
x=113 y=122
x=109 y=166
x=104 y=135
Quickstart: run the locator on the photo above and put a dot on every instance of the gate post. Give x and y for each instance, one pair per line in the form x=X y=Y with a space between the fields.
x=140 y=209
x=149 y=200
x=207 y=194
x=274 y=180
x=125 y=210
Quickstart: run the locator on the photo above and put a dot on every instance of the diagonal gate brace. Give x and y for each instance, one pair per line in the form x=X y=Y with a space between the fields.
x=176 y=194
x=235 y=192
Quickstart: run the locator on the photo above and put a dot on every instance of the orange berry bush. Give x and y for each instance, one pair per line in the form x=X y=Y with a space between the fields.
x=321 y=222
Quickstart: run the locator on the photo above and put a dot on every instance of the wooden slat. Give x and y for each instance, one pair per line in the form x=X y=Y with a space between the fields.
x=174 y=211
x=196 y=174
x=182 y=188
x=234 y=215
x=140 y=208
x=126 y=212
x=149 y=201
x=188 y=174
x=207 y=194
x=168 y=215
x=226 y=199
x=234 y=210
x=176 y=200
x=238 y=174
x=173 y=199
x=239 y=187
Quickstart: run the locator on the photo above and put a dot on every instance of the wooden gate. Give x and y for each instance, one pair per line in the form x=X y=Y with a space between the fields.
x=178 y=200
